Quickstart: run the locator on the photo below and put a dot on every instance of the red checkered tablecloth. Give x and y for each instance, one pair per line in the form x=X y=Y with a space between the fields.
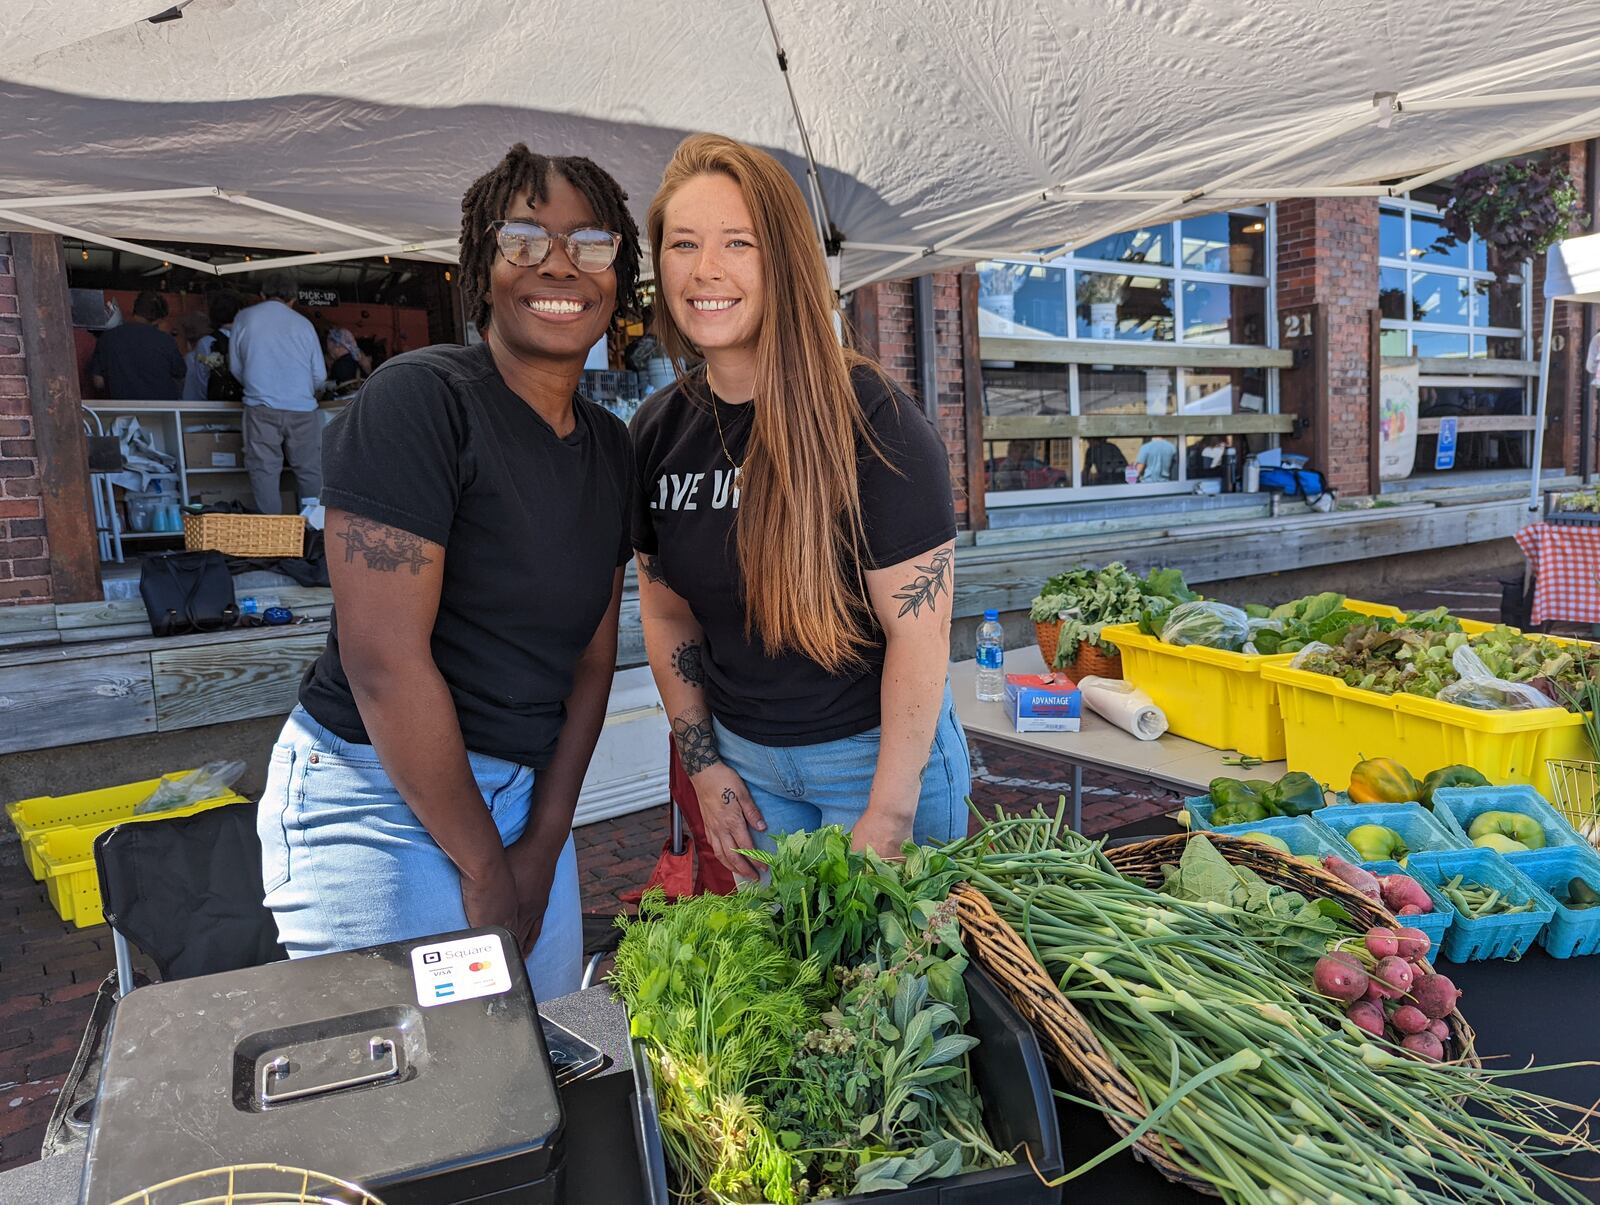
x=1566 y=571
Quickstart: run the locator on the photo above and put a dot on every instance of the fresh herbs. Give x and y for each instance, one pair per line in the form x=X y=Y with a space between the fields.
x=1086 y=600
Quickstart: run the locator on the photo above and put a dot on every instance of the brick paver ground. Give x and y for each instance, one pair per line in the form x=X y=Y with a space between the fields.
x=49 y=971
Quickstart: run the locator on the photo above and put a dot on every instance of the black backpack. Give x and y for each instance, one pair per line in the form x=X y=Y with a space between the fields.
x=187 y=592
x=222 y=385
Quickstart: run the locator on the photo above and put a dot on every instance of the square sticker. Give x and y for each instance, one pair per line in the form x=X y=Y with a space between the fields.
x=463 y=969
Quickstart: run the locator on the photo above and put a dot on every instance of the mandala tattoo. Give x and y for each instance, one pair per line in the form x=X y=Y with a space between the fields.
x=933 y=579
x=688 y=662
x=697 y=743
x=652 y=569
x=384 y=548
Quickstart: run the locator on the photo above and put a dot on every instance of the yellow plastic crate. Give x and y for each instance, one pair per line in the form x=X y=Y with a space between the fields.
x=1329 y=727
x=88 y=814
x=74 y=889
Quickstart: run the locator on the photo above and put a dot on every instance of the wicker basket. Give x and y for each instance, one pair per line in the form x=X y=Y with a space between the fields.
x=1068 y=1040
x=1087 y=660
x=1576 y=787
x=246 y=535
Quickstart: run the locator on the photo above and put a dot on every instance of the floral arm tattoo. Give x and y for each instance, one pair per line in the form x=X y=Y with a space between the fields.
x=932 y=580
x=382 y=547
x=697 y=743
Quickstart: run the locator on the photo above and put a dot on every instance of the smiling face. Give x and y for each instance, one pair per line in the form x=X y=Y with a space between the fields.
x=711 y=270
x=552 y=311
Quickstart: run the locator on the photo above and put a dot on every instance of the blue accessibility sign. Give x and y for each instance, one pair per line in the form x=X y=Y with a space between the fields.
x=1445 y=456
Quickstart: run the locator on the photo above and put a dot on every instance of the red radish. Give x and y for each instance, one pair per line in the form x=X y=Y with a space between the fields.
x=1367 y=1016
x=1440 y=1030
x=1381 y=942
x=1424 y=1045
x=1393 y=977
x=1336 y=978
x=1363 y=881
x=1408 y=1019
x=1410 y=910
x=1349 y=958
x=1377 y=993
x=1414 y=944
x=1435 y=995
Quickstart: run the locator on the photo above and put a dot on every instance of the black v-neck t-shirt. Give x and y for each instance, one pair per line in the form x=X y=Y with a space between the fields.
x=533 y=524
x=687 y=499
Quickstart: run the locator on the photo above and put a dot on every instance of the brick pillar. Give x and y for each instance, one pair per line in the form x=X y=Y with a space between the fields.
x=1328 y=257
x=1567 y=378
x=24 y=555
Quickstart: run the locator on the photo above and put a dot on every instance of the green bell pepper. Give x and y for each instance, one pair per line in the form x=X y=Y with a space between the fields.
x=1295 y=794
x=1233 y=790
x=1243 y=811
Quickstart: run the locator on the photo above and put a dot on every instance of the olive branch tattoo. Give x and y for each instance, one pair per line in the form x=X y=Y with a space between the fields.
x=697 y=743
x=688 y=662
x=384 y=548
x=652 y=569
x=932 y=580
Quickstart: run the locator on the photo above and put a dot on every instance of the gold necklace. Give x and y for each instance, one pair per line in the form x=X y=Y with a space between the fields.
x=717 y=418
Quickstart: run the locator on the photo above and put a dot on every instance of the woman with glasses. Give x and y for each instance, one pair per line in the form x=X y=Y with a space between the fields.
x=477 y=530
x=795 y=534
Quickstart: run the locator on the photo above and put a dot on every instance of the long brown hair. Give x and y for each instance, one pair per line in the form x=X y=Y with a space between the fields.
x=800 y=537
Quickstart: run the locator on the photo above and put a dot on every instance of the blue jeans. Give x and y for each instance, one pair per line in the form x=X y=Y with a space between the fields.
x=804 y=787
x=347 y=864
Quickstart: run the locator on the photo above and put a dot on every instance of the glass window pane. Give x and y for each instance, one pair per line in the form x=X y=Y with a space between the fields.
x=1150 y=245
x=1205 y=455
x=1439 y=298
x=1218 y=313
x=1498 y=304
x=1224 y=391
x=1156 y=459
x=1109 y=461
x=1391 y=234
x=1025 y=389
x=1394 y=343
x=1027 y=464
x=1504 y=347
x=1479 y=352
x=1107 y=390
x=1434 y=343
x=1136 y=308
x=1426 y=233
x=1392 y=293
x=1022 y=300
x=1438 y=401
x=1480 y=254
x=1226 y=242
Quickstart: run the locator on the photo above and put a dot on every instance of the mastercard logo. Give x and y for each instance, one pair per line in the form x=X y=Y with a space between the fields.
x=480 y=966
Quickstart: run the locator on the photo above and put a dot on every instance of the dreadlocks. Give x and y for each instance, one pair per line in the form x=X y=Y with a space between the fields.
x=523 y=172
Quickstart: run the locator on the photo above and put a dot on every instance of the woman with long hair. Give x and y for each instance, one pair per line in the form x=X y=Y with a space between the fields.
x=795 y=534
x=477 y=530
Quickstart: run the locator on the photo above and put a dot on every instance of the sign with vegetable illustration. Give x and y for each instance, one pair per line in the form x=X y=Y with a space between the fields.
x=1397 y=420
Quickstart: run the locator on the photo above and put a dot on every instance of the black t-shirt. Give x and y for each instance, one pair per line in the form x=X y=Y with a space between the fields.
x=687 y=502
x=140 y=363
x=533 y=525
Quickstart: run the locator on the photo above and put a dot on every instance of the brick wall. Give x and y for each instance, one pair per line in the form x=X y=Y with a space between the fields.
x=1567 y=380
x=885 y=322
x=1328 y=255
x=24 y=559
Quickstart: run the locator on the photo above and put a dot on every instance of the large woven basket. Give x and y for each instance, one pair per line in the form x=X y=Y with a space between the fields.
x=1069 y=1041
x=1086 y=660
x=246 y=535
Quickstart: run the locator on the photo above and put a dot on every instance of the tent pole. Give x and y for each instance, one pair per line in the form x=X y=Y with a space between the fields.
x=109 y=198
x=310 y=219
x=1544 y=398
x=819 y=202
x=329 y=257
x=1528 y=142
x=26 y=220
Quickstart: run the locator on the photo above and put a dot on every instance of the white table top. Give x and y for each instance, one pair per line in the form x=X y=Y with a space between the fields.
x=1180 y=765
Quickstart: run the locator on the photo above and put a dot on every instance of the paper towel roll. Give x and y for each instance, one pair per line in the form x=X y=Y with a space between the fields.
x=1124 y=705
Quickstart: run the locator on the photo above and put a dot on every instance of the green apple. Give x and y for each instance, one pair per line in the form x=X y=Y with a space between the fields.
x=1515 y=825
x=1500 y=843
x=1377 y=843
x=1277 y=843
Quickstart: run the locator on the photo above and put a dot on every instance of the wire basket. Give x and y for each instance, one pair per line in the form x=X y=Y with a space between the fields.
x=277 y=536
x=1576 y=787
x=252 y=1184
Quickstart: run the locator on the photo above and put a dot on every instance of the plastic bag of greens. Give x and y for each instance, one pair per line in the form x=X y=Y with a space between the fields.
x=1315 y=649
x=1481 y=690
x=1211 y=625
x=210 y=780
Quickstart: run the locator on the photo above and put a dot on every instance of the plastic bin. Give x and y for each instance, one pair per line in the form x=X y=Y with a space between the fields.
x=1329 y=727
x=1491 y=936
x=1013 y=1081
x=1303 y=834
x=73 y=885
x=1572 y=932
x=1436 y=923
x=1421 y=832
x=1458 y=807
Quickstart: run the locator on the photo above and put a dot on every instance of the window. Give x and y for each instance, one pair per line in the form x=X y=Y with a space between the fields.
x=1021 y=300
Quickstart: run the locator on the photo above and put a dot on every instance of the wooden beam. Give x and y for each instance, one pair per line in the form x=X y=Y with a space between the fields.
x=1450 y=366
x=1116 y=426
x=1139 y=355
x=50 y=704
x=1481 y=422
x=1374 y=402
x=972 y=403
x=52 y=367
x=213 y=684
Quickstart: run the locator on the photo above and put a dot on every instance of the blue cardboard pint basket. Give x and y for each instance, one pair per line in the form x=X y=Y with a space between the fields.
x=1502 y=936
x=1458 y=807
x=1422 y=832
x=1436 y=923
x=1201 y=809
x=1572 y=932
x=1302 y=834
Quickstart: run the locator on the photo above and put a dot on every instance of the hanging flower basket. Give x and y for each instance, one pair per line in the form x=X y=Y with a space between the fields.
x=1519 y=208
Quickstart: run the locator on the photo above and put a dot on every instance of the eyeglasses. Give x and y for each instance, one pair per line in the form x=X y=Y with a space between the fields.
x=528 y=244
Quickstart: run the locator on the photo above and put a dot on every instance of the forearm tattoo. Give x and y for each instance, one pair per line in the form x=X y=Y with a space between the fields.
x=688 y=662
x=651 y=569
x=382 y=547
x=932 y=580
x=697 y=742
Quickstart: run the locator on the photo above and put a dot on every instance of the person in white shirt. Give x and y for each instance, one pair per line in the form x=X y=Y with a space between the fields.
x=277 y=358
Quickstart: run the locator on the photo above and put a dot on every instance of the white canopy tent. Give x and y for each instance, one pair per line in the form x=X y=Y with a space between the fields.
x=1572 y=273
x=936 y=131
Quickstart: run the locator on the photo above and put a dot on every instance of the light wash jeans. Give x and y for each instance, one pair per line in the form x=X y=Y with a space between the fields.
x=346 y=864
x=804 y=787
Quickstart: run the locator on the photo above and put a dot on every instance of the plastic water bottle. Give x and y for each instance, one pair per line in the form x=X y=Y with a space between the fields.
x=991 y=659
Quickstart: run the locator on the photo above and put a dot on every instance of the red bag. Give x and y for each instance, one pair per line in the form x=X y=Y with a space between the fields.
x=686 y=865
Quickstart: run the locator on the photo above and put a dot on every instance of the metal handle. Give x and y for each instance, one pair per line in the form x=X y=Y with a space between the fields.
x=379 y=1049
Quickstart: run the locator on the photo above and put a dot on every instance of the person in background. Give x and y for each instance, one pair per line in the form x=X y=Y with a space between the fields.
x=195 y=328
x=1157 y=460
x=138 y=361
x=347 y=363
x=209 y=358
x=1103 y=462
x=276 y=357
